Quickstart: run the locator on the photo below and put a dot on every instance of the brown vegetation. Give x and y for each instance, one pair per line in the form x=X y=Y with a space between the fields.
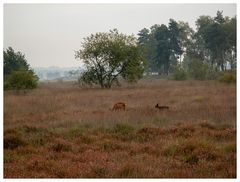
x=61 y=131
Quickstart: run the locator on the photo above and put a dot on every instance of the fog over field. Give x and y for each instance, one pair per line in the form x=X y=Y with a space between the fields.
x=49 y=34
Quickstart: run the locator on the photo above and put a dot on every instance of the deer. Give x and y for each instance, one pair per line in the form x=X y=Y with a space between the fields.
x=162 y=107
x=119 y=106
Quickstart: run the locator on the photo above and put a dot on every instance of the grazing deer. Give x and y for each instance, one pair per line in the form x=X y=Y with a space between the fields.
x=119 y=106
x=162 y=107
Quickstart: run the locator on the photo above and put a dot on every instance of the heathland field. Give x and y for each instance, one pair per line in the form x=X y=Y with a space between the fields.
x=62 y=131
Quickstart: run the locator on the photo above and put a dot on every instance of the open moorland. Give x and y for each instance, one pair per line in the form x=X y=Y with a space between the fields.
x=62 y=131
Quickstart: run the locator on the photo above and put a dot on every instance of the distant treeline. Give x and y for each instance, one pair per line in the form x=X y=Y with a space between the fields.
x=162 y=49
x=177 y=44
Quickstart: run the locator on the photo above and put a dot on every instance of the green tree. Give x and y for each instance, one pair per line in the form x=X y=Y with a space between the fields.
x=143 y=36
x=17 y=72
x=169 y=44
x=219 y=38
x=230 y=28
x=164 y=45
x=216 y=41
x=174 y=35
x=14 y=61
x=161 y=34
x=198 y=47
x=197 y=69
x=186 y=35
x=108 y=56
x=179 y=73
x=219 y=17
x=148 y=46
x=213 y=43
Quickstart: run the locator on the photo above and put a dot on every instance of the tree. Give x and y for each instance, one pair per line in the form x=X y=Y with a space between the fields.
x=108 y=56
x=164 y=45
x=17 y=72
x=174 y=34
x=143 y=36
x=162 y=37
x=169 y=43
x=219 y=17
x=218 y=39
x=214 y=43
x=186 y=35
x=148 y=45
x=14 y=61
x=197 y=69
x=198 y=48
x=230 y=29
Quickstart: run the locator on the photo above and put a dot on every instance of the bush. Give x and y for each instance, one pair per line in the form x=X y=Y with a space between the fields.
x=17 y=72
x=179 y=73
x=21 y=80
x=211 y=74
x=228 y=77
x=198 y=70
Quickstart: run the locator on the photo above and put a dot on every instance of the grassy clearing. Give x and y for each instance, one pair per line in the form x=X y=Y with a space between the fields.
x=60 y=125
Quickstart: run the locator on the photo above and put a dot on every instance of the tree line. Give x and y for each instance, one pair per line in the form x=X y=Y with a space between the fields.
x=174 y=48
x=213 y=42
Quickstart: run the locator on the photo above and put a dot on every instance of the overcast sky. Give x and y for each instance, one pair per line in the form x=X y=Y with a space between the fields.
x=48 y=34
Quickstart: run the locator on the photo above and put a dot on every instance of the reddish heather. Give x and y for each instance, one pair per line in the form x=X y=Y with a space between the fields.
x=62 y=131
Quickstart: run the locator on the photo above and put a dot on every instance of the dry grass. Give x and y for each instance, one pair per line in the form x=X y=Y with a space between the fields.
x=60 y=125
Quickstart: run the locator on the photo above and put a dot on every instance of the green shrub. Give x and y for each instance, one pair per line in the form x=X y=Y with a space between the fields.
x=197 y=69
x=211 y=74
x=17 y=72
x=179 y=73
x=228 y=77
x=21 y=80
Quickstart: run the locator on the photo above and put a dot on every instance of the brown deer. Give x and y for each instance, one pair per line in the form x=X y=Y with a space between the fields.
x=162 y=107
x=119 y=106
